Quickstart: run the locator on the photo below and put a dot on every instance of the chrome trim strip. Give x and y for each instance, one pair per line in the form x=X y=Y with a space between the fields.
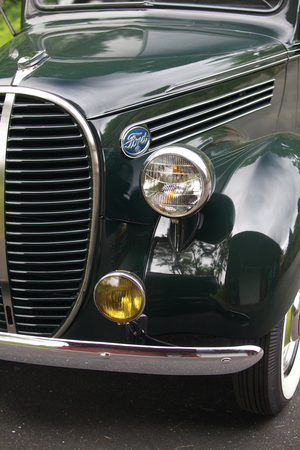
x=222 y=75
x=6 y=297
x=207 y=111
x=294 y=52
x=203 y=130
x=28 y=64
x=128 y=358
x=217 y=116
x=96 y=182
x=158 y=4
x=219 y=8
x=266 y=86
x=201 y=83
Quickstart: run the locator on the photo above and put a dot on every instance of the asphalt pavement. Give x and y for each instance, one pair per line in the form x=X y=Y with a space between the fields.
x=50 y=408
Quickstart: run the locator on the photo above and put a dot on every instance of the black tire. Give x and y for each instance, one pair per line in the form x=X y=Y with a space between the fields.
x=269 y=385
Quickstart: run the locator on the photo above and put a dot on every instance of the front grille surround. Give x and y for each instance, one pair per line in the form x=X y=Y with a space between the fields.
x=2 y=97
x=51 y=210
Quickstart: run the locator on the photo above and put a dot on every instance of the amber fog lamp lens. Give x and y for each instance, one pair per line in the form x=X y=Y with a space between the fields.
x=177 y=181
x=120 y=296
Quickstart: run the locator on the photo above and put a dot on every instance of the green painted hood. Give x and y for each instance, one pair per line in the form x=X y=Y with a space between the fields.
x=106 y=66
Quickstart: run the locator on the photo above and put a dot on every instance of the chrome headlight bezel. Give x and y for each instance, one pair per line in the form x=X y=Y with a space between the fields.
x=110 y=306
x=202 y=166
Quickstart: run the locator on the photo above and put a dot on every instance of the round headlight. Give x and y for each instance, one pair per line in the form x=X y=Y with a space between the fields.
x=120 y=296
x=176 y=181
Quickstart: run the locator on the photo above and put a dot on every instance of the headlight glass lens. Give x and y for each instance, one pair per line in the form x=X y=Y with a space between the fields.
x=175 y=185
x=120 y=297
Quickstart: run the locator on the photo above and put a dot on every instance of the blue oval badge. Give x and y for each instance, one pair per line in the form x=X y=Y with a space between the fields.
x=135 y=141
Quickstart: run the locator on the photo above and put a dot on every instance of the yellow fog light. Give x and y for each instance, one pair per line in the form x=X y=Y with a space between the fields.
x=120 y=296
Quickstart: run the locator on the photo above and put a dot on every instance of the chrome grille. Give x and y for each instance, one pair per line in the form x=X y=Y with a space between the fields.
x=48 y=210
x=190 y=121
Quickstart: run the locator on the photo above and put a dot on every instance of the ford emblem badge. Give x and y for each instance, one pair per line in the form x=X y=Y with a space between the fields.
x=135 y=140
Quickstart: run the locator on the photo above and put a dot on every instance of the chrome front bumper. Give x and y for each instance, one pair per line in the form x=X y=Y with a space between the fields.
x=128 y=358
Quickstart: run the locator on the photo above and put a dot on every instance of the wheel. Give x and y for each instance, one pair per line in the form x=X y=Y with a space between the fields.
x=268 y=386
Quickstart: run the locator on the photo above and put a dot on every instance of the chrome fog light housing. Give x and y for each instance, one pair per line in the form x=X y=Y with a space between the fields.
x=177 y=181
x=120 y=296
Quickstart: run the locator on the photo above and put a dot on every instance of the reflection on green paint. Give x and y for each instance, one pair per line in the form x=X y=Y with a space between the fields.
x=12 y=9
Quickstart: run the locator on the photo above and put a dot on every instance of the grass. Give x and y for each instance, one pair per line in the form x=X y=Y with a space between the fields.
x=12 y=9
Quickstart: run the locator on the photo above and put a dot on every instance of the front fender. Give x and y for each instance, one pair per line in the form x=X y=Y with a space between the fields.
x=265 y=188
x=240 y=273
x=264 y=264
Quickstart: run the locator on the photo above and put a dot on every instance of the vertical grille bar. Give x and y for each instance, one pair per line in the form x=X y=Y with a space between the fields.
x=5 y=288
x=1 y=104
x=2 y=314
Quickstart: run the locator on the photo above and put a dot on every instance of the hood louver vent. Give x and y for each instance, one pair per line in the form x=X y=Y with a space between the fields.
x=187 y=122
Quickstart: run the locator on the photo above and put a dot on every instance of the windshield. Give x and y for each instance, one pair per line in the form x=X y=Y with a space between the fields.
x=248 y=5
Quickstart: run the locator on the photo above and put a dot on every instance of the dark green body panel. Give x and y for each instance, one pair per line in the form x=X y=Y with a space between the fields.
x=136 y=58
x=238 y=273
x=244 y=260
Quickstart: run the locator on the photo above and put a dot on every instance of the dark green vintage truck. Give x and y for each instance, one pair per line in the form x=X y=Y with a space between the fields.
x=149 y=190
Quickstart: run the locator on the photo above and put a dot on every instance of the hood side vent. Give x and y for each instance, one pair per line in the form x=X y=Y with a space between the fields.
x=186 y=122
